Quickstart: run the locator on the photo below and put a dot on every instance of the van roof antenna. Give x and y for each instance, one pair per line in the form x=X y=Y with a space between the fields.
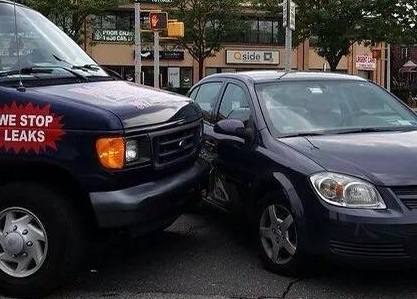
x=21 y=87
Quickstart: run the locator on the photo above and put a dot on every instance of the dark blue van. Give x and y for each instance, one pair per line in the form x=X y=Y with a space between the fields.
x=80 y=151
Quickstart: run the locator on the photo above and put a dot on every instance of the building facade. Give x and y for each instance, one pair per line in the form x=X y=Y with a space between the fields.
x=111 y=44
x=404 y=66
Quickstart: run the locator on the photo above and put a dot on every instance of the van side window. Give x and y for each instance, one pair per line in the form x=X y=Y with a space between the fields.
x=234 y=105
x=207 y=96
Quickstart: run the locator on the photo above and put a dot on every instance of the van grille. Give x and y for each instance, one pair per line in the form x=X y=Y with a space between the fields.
x=176 y=146
x=407 y=195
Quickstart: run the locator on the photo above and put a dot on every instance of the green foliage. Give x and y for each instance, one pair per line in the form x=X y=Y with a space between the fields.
x=70 y=15
x=334 y=25
x=207 y=23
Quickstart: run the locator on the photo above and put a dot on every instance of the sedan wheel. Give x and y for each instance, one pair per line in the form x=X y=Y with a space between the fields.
x=278 y=234
x=23 y=243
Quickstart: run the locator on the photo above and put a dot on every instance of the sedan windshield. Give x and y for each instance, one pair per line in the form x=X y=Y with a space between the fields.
x=40 y=44
x=332 y=107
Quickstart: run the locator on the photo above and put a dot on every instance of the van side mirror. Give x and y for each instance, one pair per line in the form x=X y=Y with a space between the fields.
x=233 y=127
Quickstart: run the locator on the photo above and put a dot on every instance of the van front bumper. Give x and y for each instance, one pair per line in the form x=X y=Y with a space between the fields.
x=149 y=204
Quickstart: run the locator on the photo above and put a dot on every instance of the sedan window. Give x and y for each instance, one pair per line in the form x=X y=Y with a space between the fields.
x=207 y=96
x=234 y=105
x=295 y=108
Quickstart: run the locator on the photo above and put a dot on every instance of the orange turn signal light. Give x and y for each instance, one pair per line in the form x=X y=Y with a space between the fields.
x=111 y=152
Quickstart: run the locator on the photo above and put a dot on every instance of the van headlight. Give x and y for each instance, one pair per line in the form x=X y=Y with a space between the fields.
x=132 y=152
x=346 y=191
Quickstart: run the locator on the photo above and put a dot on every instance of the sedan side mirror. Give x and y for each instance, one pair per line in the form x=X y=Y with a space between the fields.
x=233 y=127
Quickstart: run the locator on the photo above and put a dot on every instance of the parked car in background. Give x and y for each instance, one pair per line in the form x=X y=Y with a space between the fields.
x=323 y=163
x=80 y=152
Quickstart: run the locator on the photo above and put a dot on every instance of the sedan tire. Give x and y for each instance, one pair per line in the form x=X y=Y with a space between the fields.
x=280 y=240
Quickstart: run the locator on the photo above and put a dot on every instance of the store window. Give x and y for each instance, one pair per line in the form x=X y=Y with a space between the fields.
x=119 y=21
x=109 y=22
x=186 y=77
x=118 y=27
x=404 y=53
x=365 y=74
x=258 y=31
x=213 y=70
x=170 y=77
x=124 y=21
x=265 y=32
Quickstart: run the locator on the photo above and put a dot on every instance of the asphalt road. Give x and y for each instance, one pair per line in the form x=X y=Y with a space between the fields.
x=209 y=256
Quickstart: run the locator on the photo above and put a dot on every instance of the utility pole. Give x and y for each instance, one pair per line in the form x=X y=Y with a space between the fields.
x=138 y=44
x=156 y=58
x=289 y=24
x=389 y=67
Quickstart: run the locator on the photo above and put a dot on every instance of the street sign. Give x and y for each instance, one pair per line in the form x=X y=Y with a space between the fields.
x=290 y=14
x=158 y=21
x=285 y=13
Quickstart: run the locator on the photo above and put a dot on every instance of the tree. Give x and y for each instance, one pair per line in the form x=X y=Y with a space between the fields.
x=71 y=15
x=207 y=24
x=335 y=25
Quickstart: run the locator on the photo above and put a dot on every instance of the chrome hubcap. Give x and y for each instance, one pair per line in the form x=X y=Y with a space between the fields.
x=278 y=234
x=23 y=243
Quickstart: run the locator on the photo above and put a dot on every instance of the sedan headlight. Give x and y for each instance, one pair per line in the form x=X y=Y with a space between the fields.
x=346 y=191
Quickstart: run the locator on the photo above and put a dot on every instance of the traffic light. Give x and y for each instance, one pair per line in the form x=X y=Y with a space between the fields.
x=158 y=21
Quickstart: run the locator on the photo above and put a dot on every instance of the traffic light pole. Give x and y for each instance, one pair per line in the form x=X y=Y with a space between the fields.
x=138 y=45
x=288 y=39
x=156 y=59
x=389 y=67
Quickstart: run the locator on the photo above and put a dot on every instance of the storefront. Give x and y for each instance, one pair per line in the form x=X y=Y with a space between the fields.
x=259 y=48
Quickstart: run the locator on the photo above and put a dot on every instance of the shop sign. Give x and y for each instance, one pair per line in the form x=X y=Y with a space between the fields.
x=252 y=57
x=113 y=35
x=165 y=55
x=366 y=63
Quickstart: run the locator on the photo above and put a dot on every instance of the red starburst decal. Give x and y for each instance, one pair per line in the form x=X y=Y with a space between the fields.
x=29 y=128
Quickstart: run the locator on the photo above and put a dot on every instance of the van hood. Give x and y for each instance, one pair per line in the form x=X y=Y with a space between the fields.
x=386 y=159
x=135 y=105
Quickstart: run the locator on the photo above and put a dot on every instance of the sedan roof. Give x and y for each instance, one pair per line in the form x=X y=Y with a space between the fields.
x=268 y=76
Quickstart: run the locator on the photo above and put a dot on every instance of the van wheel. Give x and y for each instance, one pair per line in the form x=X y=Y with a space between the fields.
x=280 y=242
x=40 y=239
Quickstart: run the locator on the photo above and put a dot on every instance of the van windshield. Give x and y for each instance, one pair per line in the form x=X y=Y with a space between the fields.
x=40 y=44
x=332 y=107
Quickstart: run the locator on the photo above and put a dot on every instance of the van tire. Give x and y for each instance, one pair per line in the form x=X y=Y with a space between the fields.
x=65 y=238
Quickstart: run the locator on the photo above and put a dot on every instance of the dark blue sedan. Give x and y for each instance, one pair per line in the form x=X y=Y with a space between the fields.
x=324 y=164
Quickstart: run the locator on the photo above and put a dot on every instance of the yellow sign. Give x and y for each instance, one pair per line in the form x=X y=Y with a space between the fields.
x=176 y=29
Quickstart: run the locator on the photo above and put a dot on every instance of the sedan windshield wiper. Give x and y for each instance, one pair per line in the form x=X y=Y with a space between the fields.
x=304 y=134
x=370 y=130
x=42 y=70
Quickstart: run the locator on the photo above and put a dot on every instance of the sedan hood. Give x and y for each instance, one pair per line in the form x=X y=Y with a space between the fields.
x=387 y=159
x=135 y=105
